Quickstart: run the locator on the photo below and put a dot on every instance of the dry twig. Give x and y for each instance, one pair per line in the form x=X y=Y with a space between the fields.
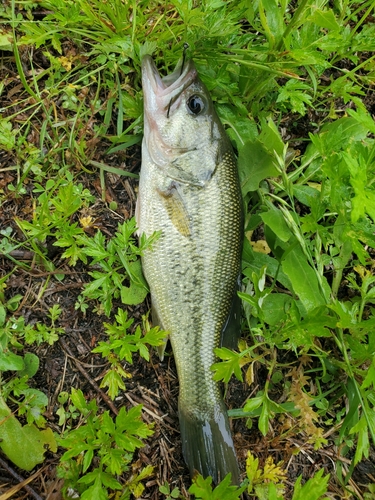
x=92 y=382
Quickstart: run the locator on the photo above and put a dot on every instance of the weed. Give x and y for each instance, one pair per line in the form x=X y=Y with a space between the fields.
x=169 y=495
x=121 y=345
x=202 y=489
x=277 y=71
x=267 y=483
x=104 y=449
x=24 y=445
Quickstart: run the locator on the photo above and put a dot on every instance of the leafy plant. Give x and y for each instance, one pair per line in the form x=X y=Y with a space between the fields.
x=260 y=481
x=24 y=445
x=70 y=413
x=202 y=489
x=302 y=248
x=277 y=71
x=170 y=495
x=103 y=449
x=116 y=262
x=116 y=267
x=267 y=483
x=121 y=345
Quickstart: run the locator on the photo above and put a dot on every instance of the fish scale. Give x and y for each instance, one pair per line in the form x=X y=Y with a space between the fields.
x=189 y=192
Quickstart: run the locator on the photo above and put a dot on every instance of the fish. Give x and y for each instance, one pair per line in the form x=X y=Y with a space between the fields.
x=189 y=193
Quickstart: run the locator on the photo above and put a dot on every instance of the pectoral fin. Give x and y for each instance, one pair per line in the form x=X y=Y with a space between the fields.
x=176 y=210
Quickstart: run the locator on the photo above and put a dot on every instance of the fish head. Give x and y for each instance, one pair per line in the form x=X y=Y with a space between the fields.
x=182 y=133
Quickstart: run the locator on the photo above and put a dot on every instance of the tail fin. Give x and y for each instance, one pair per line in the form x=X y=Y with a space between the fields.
x=207 y=444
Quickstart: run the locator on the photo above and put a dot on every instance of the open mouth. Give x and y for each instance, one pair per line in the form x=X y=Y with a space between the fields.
x=170 y=85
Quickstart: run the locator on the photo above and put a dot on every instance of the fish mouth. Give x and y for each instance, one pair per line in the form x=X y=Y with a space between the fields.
x=163 y=94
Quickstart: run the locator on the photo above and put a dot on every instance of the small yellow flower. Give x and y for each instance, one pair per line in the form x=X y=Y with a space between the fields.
x=86 y=222
x=66 y=62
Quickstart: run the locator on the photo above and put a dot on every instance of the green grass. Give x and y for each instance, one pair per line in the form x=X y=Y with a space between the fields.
x=291 y=83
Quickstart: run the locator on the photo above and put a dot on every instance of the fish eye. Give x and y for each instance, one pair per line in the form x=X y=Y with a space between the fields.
x=195 y=104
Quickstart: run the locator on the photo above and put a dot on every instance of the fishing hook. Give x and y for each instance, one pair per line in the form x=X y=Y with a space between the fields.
x=186 y=46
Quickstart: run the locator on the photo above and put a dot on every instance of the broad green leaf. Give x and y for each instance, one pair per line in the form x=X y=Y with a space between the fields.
x=351 y=418
x=295 y=94
x=114 y=460
x=265 y=416
x=304 y=280
x=306 y=194
x=6 y=41
x=110 y=481
x=11 y=361
x=276 y=408
x=96 y=490
x=24 y=445
x=306 y=56
x=138 y=290
x=335 y=136
x=87 y=459
x=345 y=314
x=7 y=137
x=270 y=137
x=364 y=198
x=100 y=279
x=76 y=448
x=318 y=323
x=148 y=47
x=255 y=163
x=241 y=129
x=275 y=19
x=276 y=222
x=94 y=247
x=325 y=19
x=107 y=424
x=113 y=380
x=364 y=118
x=155 y=336
x=131 y=423
x=36 y=397
x=370 y=377
x=254 y=261
x=275 y=307
x=31 y=365
x=78 y=399
x=3 y=315
x=253 y=403
x=267 y=491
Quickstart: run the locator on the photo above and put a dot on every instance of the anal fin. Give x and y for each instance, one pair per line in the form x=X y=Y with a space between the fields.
x=231 y=332
x=156 y=322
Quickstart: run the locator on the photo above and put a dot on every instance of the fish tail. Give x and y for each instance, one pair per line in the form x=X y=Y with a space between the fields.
x=207 y=443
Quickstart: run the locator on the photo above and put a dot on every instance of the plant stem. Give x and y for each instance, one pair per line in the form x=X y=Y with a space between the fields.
x=345 y=253
x=294 y=21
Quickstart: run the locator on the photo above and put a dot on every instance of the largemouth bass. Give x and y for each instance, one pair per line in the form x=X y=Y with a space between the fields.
x=189 y=192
